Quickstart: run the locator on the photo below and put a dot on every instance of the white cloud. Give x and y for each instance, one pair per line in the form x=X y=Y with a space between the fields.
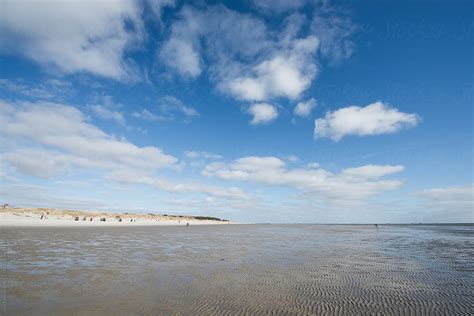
x=181 y=55
x=262 y=113
x=304 y=108
x=244 y=58
x=227 y=35
x=371 y=171
x=198 y=159
x=202 y=155
x=287 y=74
x=125 y=176
x=46 y=140
x=108 y=114
x=61 y=135
x=75 y=36
x=373 y=119
x=39 y=163
x=354 y=184
x=448 y=204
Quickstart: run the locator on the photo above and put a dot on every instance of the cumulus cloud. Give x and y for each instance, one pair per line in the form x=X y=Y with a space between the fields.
x=262 y=113
x=243 y=57
x=373 y=119
x=287 y=74
x=304 y=108
x=74 y=36
x=354 y=184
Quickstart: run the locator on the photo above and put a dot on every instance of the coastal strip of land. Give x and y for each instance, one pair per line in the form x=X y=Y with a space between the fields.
x=17 y=216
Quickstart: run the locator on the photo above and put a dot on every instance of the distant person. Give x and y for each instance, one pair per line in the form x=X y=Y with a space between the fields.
x=376 y=225
x=187 y=224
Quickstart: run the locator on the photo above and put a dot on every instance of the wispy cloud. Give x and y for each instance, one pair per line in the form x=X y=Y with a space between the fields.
x=186 y=187
x=304 y=108
x=202 y=155
x=335 y=29
x=448 y=204
x=147 y=115
x=46 y=90
x=171 y=106
x=451 y=198
x=108 y=114
x=278 y=6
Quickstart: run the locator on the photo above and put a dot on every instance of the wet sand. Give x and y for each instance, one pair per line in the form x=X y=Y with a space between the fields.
x=238 y=270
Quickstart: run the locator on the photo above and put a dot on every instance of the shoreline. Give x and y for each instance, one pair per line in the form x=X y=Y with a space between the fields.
x=48 y=217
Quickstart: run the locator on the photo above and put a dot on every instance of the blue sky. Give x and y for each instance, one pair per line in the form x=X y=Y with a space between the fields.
x=258 y=111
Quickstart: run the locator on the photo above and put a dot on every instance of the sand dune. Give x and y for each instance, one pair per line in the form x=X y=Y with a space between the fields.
x=10 y=216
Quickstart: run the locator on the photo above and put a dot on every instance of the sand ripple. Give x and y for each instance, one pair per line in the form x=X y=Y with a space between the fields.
x=240 y=270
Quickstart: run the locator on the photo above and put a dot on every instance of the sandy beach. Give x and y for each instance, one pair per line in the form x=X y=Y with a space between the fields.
x=49 y=217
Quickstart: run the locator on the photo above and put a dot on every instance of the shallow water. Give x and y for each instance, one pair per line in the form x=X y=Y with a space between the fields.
x=238 y=269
